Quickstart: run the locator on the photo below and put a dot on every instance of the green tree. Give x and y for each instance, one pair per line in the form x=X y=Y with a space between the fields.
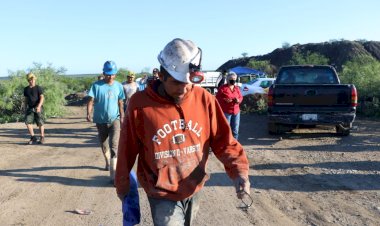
x=308 y=58
x=77 y=84
x=364 y=73
x=12 y=96
x=262 y=65
x=285 y=45
x=146 y=70
x=122 y=74
x=244 y=54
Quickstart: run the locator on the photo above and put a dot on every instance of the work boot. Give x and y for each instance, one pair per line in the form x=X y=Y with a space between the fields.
x=113 y=169
x=32 y=140
x=42 y=140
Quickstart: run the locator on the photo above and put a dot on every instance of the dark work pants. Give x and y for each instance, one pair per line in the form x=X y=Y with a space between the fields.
x=109 y=137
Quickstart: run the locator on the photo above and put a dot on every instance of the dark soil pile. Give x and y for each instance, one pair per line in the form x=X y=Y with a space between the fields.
x=77 y=99
x=338 y=53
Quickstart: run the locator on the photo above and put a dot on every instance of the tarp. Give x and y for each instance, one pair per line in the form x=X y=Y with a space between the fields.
x=246 y=70
x=131 y=205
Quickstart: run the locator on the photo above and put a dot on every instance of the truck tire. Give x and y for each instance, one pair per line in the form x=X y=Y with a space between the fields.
x=273 y=128
x=343 y=129
x=210 y=90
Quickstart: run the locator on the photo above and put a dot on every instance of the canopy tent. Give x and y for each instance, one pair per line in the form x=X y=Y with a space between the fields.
x=246 y=70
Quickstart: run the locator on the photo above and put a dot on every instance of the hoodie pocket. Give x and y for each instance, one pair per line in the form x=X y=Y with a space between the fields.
x=174 y=178
x=168 y=178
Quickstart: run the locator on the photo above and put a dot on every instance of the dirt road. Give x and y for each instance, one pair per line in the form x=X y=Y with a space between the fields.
x=310 y=177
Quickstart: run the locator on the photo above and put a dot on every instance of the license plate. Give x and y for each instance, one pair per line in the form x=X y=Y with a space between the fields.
x=309 y=117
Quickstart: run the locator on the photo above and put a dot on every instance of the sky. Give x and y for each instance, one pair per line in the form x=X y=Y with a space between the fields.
x=80 y=35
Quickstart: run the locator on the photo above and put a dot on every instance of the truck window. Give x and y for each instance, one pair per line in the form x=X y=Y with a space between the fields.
x=286 y=78
x=307 y=76
x=265 y=84
x=244 y=79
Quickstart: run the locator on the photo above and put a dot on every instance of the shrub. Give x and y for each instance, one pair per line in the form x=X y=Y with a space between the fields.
x=364 y=73
x=12 y=93
x=77 y=84
x=263 y=65
x=254 y=103
x=308 y=58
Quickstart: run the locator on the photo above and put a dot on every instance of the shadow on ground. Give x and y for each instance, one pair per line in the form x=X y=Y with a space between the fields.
x=306 y=182
x=32 y=175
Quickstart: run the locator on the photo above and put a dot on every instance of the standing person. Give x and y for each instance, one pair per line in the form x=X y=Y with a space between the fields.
x=106 y=99
x=229 y=97
x=170 y=127
x=223 y=79
x=155 y=73
x=34 y=99
x=150 y=80
x=142 y=82
x=130 y=87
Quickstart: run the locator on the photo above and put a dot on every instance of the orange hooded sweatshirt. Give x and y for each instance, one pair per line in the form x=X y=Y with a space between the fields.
x=172 y=144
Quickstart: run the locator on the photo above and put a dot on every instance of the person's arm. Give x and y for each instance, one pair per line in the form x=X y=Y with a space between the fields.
x=42 y=98
x=239 y=97
x=121 y=110
x=128 y=150
x=90 y=106
x=229 y=151
x=121 y=99
x=90 y=102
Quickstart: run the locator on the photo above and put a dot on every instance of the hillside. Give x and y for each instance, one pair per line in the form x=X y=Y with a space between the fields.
x=338 y=52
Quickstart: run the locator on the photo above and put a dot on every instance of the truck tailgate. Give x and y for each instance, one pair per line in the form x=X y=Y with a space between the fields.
x=322 y=97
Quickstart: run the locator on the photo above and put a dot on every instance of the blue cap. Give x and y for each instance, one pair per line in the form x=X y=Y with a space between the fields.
x=109 y=68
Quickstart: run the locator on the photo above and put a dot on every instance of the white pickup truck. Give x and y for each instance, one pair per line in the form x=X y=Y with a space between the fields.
x=211 y=80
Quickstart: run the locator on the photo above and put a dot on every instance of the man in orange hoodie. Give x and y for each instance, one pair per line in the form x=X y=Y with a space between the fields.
x=170 y=127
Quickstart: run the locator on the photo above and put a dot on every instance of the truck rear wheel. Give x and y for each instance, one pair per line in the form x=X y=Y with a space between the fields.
x=343 y=129
x=273 y=128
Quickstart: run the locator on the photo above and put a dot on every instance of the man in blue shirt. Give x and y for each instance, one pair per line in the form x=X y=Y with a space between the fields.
x=106 y=102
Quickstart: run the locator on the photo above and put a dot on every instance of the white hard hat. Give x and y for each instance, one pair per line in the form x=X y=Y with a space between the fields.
x=176 y=57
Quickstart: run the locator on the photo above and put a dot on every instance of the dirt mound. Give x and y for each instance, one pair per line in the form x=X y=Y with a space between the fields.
x=77 y=99
x=338 y=53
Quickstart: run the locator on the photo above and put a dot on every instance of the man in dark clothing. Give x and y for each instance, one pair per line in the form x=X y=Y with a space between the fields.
x=223 y=80
x=153 y=77
x=34 y=100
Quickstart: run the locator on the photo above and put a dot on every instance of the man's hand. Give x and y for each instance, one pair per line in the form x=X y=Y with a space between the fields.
x=242 y=186
x=89 y=119
x=228 y=100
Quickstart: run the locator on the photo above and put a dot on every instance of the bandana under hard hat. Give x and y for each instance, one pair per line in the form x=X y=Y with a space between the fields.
x=176 y=57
